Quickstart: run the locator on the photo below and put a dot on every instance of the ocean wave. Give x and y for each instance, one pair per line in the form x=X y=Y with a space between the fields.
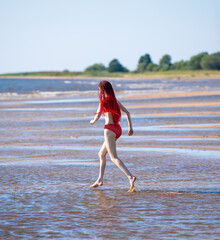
x=46 y=94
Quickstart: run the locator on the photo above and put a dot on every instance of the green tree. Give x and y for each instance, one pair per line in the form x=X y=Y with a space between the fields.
x=156 y=68
x=195 y=61
x=141 y=67
x=181 y=65
x=95 y=67
x=150 y=67
x=165 y=68
x=116 y=66
x=143 y=62
x=165 y=61
x=211 y=62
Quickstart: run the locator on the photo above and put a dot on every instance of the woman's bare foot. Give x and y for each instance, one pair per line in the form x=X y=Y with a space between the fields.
x=132 y=180
x=97 y=184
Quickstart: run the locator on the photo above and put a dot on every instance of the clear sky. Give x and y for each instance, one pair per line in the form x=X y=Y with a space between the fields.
x=40 y=35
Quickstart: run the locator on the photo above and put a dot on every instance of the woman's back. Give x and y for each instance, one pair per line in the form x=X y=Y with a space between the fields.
x=109 y=118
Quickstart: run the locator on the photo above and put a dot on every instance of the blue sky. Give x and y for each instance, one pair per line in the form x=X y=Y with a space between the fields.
x=40 y=35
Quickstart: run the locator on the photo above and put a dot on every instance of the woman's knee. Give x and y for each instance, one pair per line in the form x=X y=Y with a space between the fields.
x=102 y=154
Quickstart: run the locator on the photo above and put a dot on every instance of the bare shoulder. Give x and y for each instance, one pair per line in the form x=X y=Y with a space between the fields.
x=120 y=104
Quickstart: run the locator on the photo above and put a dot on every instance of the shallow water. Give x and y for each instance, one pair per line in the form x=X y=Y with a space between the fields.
x=48 y=159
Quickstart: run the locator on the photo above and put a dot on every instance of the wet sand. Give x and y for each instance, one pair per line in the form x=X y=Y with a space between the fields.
x=48 y=160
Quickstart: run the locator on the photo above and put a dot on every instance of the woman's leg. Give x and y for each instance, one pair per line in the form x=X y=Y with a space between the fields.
x=102 y=157
x=110 y=144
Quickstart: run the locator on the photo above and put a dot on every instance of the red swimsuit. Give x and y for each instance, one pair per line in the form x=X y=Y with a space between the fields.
x=116 y=128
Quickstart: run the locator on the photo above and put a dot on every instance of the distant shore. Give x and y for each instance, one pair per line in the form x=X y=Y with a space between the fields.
x=147 y=75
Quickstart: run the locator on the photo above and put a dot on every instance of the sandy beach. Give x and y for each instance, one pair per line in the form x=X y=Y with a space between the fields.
x=49 y=158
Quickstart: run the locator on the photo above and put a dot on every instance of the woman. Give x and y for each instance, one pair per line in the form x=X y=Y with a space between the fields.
x=111 y=108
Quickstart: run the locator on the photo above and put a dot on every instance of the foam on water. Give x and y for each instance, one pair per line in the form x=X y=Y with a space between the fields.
x=58 y=101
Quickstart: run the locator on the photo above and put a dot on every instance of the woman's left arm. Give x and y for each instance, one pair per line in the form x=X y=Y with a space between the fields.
x=123 y=109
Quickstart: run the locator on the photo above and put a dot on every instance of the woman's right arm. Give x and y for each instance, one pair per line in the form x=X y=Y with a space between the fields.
x=123 y=109
x=97 y=115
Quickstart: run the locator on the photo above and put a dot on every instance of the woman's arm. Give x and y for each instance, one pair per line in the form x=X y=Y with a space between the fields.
x=97 y=116
x=123 y=109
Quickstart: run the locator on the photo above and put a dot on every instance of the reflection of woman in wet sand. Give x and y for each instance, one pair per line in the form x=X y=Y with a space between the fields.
x=111 y=108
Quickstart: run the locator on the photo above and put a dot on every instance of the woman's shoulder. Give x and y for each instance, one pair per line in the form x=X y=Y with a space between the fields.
x=119 y=103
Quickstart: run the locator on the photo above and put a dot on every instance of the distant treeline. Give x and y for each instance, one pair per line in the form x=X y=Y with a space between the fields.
x=145 y=66
x=201 y=61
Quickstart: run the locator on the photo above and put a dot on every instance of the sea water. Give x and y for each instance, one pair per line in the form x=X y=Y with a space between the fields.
x=49 y=159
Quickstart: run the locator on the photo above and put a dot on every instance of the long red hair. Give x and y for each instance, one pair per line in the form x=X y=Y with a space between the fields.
x=108 y=101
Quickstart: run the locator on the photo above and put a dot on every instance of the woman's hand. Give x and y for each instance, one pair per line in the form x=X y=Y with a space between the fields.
x=130 y=132
x=92 y=122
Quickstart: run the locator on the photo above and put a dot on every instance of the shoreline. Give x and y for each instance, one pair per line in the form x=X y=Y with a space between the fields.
x=167 y=75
